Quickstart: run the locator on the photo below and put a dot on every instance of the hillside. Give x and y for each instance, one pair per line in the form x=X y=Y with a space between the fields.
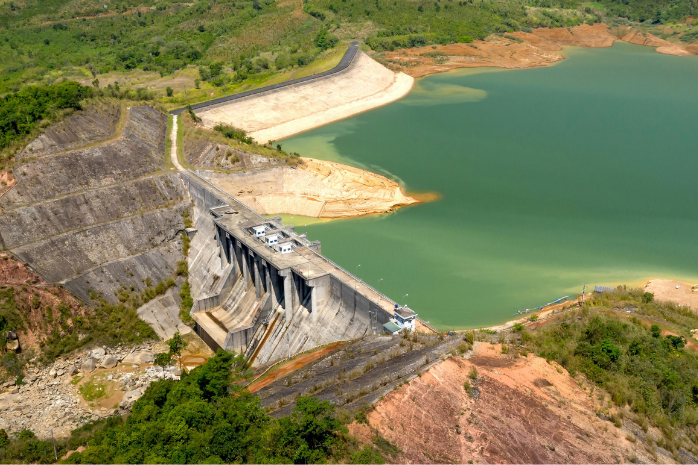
x=208 y=47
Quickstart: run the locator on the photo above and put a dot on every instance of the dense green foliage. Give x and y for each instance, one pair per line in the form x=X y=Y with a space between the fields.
x=416 y=23
x=21 y=112
x=232 y=41
x=204 y=418
x=232 y=132
x=40 y=37
x=655 y=375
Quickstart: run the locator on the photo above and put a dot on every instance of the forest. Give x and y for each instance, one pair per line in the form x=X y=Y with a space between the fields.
x=206 y=417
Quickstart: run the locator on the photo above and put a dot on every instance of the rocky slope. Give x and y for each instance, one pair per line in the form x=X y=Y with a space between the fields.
x=94 y=208
x=83 y=387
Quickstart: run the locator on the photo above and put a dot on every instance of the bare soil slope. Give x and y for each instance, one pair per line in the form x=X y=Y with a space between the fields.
x=522 y=410
x=542 y=47
x=33 y=296
x=665 y=289
x=315 y=188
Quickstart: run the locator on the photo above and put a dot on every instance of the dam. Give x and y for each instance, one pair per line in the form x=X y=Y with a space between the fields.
x=131 y=214
x=266 y=292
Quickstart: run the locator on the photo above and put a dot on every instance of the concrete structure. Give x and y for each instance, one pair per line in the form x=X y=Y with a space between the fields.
x=274 y=113
x=265 y=300
x=405 y=317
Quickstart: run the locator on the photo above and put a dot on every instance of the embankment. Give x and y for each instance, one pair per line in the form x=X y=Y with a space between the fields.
x=279 y=113
x=314 y=188
x=93 y=208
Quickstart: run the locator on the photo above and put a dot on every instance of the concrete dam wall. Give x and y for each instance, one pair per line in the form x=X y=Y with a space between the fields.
x=255 y=300
x=93 y=208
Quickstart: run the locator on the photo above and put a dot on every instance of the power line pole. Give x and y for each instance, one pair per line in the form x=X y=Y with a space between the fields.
x=54 y=446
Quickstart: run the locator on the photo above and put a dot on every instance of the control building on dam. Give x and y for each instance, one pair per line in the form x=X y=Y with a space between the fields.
x=262 y=290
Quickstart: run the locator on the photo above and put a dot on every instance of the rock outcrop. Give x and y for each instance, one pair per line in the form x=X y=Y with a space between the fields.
x=51 y=397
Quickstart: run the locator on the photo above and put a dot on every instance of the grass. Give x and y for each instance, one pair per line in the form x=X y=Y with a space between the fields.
x=188 y=132
x=96 y=388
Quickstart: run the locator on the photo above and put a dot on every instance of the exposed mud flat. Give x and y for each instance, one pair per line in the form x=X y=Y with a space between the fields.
x=522 y=410
x=541 y=47
x=315 y=188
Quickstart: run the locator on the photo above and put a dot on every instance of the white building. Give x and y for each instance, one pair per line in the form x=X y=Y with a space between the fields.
x=405 y=317
x=259 y=231
x=286 y=247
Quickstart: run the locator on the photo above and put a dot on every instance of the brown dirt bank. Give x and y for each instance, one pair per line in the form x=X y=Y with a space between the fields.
x=525 y=410
x=318 y=189
x=34 y=298
x=665 y=289
x=541 y=47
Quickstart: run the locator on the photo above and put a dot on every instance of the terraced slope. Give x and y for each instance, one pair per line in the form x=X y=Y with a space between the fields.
x=93 y=208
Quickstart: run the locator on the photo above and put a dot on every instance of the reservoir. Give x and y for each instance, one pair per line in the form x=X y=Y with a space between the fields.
x=583 y=172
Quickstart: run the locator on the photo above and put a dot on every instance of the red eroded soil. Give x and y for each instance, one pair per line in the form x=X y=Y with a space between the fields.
x=527 y=411
x=7 y=180
x=291 y=366
x=542 y=47
x=33 y=296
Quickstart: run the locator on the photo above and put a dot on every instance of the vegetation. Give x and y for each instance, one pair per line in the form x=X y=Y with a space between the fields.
x=23 y=111
x=653 y=375
x=242 y=43
x=177 y=344
x=207 y=417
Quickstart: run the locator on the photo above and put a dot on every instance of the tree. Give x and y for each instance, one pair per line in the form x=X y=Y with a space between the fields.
x=169 y=91
x=656 y=331
x=647 y=297
x=325 y=40
x=177 y=345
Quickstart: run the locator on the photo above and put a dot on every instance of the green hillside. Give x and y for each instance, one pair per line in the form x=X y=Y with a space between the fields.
x=233 y=41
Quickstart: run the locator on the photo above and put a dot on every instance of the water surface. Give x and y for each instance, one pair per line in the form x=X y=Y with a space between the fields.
x=584 y=172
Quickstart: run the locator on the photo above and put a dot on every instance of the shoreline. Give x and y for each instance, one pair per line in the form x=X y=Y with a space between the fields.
x=664 y=289
x=318 y=189
x=521 y=50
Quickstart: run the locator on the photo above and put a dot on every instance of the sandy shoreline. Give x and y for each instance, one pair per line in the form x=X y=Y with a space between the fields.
x=316 y=189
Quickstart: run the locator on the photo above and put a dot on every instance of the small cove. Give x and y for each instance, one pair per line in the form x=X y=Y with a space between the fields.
x=582 y=172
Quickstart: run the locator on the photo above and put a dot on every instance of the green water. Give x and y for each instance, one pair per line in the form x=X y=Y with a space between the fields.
x=584 y=172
